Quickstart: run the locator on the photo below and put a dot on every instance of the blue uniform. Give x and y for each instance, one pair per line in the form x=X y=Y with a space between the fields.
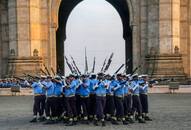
x=135 y=87
x=57 y=89
x=39 y=98
x=78 y=82
x=49 y=89
x=136 y=106
x=84 y=88
x=112 y=85
x=144 y=89
x=37 y=88
x=126 y=88
x=93 y=82
x=71 y=89
x=119 y=89
x=100 y=89
x=43 y=82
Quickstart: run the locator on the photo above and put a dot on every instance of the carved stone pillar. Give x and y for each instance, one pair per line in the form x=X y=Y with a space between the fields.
x=166 y=61
x=24 y=37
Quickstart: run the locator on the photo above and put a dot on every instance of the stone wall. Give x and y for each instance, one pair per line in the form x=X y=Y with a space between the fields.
x=4 y=38
x=184 y=34
x=149 y=27
x=28 y=35
x=28 y=32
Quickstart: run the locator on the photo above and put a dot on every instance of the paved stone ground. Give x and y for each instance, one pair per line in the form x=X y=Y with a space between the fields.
x=169 y=112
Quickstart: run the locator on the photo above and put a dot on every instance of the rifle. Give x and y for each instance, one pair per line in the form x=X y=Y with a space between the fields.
x=18 y=78
x=74 y=69
x=53 y=71
x=30 y=76
x=103 y=65
x=135 y=69
x=69 y=66
x=86 y=63
x=93 y=68
x=43 y=72
x=109 y=62
x=154 y=81
x=119 y=69
x=125 y=70
x=75 y=65
x=46 y=69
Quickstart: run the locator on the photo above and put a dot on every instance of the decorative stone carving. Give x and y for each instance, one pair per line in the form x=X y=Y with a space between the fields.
x=35 y=52
x=176 y=50
x=12 y=52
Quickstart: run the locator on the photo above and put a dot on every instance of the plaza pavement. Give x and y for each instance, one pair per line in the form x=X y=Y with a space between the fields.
x=169 y=112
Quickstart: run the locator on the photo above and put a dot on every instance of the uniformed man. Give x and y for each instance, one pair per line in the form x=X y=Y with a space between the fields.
x=92 y=98
x=58 y=87
x=50 y=101
x=144 y=97
x=84 y=95
x=127 y=99
x=39 y=94
x=78 y=98
x=110 y=103
x=42 y=82
x=136 y=106
x=119 y=98
x=100 y=91
x=70 y=100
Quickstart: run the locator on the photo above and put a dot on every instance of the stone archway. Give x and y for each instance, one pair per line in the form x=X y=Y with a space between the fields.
x=64 y=7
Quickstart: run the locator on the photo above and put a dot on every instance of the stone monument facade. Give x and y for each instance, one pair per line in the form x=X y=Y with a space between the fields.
x=161 y=31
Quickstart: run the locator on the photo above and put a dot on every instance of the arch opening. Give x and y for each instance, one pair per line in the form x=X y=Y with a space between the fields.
x=66 y=8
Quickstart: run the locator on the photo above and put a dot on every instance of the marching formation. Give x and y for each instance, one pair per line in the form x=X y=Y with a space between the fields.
x=88 y=97
x=91 y=98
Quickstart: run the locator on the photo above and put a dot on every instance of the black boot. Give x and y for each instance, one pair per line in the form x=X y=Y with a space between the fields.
x=136 y=117
x=141 y=120
x=103 y=123
x=114 y=122
x=96 y=123
x=41 y=119
x=33 y=120
x=147 y=118
x=70 y=123
x=125 y=122
x=130 y=120
x=85 y=120
x=48 y=122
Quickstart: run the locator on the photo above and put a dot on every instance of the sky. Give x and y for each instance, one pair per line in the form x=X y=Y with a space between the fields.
x=96 y=26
